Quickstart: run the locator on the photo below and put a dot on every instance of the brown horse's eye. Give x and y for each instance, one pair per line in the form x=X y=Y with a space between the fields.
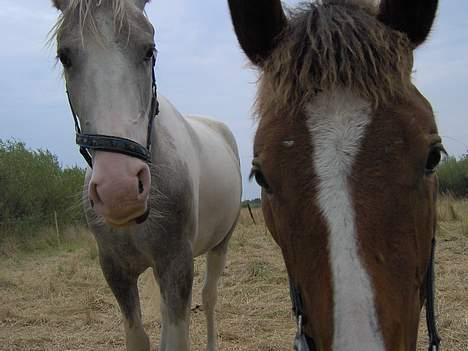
x=64 y=58
x=260 y=179
x=434 y=158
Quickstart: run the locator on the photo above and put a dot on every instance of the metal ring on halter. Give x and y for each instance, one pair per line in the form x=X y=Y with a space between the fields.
x=300 y=341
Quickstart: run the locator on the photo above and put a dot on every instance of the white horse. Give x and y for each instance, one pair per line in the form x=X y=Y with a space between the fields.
x=157 y=207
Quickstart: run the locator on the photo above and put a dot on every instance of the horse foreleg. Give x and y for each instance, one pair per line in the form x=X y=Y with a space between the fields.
x=124 y=286
x=215 y=261
x=175 y=281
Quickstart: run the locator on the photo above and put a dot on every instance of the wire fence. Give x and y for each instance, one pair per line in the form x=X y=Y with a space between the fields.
x=26 y=228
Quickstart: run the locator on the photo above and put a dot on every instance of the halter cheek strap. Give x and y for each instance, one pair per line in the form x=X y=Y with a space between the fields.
x=434 y=338
x=301 y=341
x=100 y=142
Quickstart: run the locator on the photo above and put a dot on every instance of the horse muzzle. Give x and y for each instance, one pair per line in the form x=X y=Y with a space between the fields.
x=119 y=188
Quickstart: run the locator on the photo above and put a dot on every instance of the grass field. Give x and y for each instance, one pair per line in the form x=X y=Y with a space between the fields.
x=55 y=298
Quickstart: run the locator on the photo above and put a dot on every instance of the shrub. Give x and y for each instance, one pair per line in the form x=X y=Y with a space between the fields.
x=453 y=176
x=33 y=186
x=255 y=203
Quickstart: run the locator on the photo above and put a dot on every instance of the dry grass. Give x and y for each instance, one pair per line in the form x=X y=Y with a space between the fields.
x=57 y=299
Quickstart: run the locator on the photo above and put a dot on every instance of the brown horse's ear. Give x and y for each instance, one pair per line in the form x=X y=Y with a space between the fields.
x=61 y=4
x=257 y=24
x=412 y=17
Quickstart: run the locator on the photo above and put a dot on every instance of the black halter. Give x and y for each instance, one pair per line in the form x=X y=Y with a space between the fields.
x=304 y=343
x=301 y=342
x=434 y=338
x=117 y=144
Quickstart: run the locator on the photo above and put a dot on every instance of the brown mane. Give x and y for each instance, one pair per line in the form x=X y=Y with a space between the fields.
x=330 y=45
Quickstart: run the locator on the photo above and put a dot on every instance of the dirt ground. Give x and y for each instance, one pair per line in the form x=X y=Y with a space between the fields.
x=57 y=299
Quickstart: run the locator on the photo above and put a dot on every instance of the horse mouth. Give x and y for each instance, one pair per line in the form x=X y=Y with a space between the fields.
x=143 y=218
x=125 y=222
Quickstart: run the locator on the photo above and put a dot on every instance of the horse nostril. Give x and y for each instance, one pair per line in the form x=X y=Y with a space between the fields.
x=144 y=181
x=141 y=188
x=93 y=195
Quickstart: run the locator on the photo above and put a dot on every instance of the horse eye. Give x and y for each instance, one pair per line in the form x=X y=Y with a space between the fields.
x=150 y=54
x=260 y=179
x=64 y=59
x=434 y=158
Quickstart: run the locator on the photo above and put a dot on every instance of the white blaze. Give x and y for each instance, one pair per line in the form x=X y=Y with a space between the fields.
x=337 y=124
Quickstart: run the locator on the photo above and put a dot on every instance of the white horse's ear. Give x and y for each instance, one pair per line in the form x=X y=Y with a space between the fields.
x=61 y=4
x=141 y=4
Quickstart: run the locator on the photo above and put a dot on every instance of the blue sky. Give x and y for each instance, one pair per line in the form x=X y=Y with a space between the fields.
x=202 y=70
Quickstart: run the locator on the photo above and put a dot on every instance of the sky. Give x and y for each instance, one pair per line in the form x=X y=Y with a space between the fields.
x=202 y=70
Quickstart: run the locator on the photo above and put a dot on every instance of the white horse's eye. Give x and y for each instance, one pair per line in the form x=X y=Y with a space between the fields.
x=64 y=57
x=150 y=54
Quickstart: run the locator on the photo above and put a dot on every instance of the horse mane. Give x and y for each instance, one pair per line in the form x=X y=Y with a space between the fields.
x=329 y=45
x=82 y=14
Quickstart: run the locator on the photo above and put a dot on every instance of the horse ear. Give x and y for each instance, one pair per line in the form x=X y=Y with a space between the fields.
x=257 y=25
x=141 y=4
x=412 y=17
x=61 y=4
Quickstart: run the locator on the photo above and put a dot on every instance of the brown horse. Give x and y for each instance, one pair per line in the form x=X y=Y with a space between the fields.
x=345 y=152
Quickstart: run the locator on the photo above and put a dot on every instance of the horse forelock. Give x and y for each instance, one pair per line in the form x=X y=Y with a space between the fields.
x=330 y=45
x=82 y=13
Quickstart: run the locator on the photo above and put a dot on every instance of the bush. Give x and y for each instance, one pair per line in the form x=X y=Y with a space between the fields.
x=33 y=186
x=453 y=176
x=255 y=203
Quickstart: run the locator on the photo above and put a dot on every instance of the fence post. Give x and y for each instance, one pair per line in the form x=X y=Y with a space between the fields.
x=57 y=228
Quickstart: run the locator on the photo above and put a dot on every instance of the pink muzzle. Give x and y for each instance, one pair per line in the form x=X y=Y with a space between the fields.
x=119 y=188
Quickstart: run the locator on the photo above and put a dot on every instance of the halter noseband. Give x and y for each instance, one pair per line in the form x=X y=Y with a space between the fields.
x=304 y=343
x=115 y=144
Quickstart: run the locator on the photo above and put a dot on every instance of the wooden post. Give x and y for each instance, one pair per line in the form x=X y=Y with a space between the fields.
x=57 y=228
x=251 y=214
